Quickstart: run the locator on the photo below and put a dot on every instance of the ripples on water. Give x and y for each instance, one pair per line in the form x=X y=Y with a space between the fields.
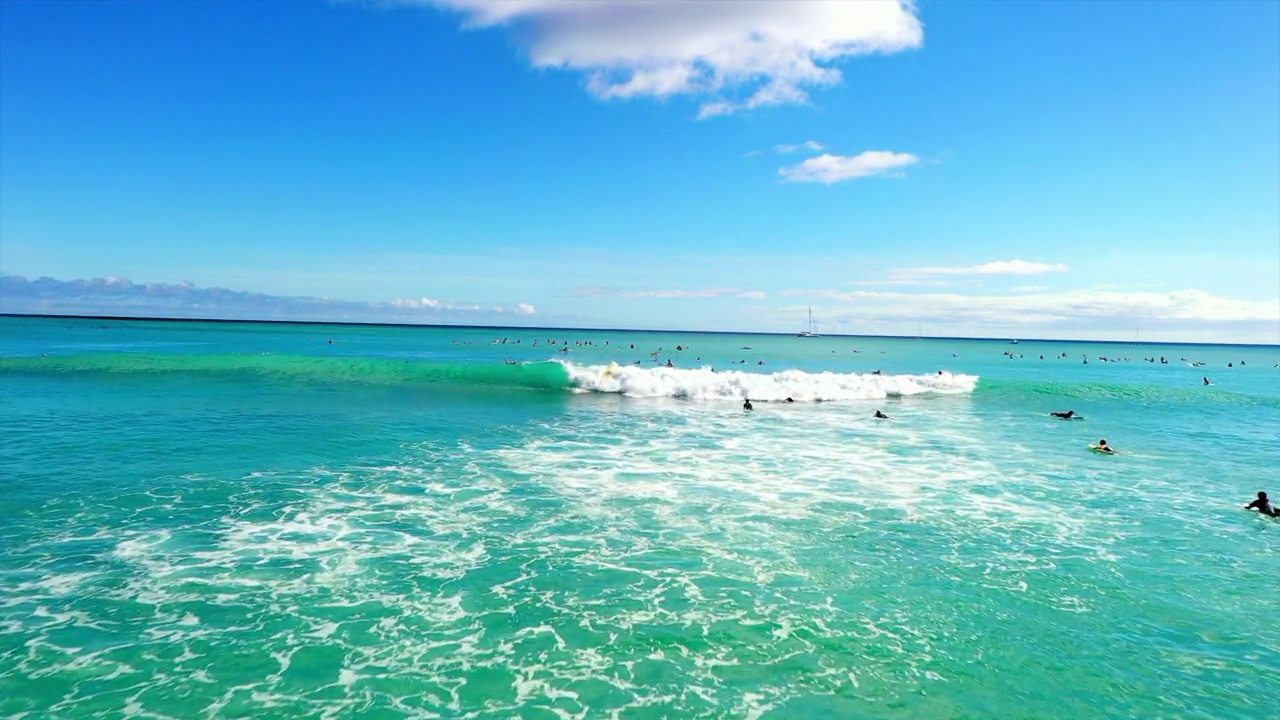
x=649 y=560
x=423 y=553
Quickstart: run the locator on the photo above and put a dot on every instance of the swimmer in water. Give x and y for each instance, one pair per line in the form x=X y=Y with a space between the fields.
x=1206 y=381
x=1065 y=415
x=1263 y=505
x=790 y=400
x=746 y=405
x=1104 y=447
x=881 y=415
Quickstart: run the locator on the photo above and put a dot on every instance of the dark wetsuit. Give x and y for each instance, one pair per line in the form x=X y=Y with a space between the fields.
x=1263 y=506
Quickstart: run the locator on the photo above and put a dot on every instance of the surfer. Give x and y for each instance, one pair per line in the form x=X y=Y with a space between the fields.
x=1206 y=381
x=881 y=415
x=746 y=405
x=1103 y=447
x=1065 y=415
x=1263 y=505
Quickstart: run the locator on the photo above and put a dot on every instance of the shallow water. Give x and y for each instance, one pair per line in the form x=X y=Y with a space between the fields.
x=234 y=520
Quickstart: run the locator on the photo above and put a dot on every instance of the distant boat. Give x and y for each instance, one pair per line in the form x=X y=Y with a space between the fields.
x=1013 y=342
x=809 y=332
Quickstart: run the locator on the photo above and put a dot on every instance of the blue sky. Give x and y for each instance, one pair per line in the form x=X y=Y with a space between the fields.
x=1054 y=169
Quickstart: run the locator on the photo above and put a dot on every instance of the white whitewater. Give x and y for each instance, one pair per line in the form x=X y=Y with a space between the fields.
x=707 y=384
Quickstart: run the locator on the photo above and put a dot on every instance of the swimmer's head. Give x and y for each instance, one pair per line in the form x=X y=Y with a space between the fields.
x=1262 y=495
x=1103 y=442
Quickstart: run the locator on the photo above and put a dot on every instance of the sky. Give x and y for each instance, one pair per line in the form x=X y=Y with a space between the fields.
x=996 y=169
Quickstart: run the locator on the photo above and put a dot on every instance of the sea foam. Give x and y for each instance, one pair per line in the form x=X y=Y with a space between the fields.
x=708 y=384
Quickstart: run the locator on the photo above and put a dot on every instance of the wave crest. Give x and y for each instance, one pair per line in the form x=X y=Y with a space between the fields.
x=707 y=384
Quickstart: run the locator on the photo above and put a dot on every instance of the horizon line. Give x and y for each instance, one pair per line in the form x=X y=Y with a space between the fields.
x=1007 y=339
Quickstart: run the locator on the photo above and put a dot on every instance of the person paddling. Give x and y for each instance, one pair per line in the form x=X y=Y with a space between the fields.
x=1065 y=415
x=1263 y=505
x=1103 y=447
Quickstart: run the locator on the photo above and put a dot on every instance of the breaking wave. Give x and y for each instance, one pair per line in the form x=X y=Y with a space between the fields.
x=800 y=386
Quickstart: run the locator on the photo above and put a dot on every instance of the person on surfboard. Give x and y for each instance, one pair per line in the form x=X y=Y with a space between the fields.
x=1263 y=505
x=1065 y=415
x=1103 y=447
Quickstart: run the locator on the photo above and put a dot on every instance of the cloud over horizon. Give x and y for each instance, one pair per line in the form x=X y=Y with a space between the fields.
x=738 y=55
x=1050 y=309
x=998 y=267
x=113 y=295
x=1179 y=315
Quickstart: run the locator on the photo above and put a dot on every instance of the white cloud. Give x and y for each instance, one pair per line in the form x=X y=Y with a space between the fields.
x=119 y=296
x=813 y=145
x=999 y=267
x=752 y=295
x=1048 y=309
x=741 y=55
x=830 y=168
x=417 y=303
x=712 y=109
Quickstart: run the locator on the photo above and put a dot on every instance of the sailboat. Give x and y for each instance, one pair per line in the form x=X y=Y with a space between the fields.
x=809 y=332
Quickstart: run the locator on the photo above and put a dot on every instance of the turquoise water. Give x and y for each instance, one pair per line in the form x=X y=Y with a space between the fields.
x=218 y=520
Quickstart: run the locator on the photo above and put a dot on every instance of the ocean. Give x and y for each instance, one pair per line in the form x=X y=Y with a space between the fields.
x=240 y=520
